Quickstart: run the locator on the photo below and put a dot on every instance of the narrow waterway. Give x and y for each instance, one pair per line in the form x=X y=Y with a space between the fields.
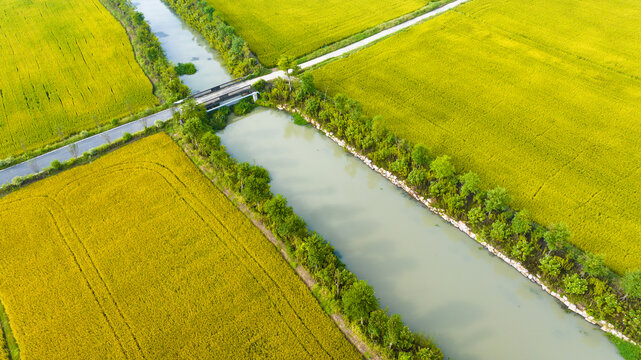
x=443 y=284
x=183 y=45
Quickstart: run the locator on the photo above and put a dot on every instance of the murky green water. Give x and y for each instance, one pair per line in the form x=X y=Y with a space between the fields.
x=181 y=44
x=471 y=303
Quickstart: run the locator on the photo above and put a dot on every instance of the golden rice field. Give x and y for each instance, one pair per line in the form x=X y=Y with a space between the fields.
x=66 y=65
x=547 y=106
x=298 y=27
x=137 y=255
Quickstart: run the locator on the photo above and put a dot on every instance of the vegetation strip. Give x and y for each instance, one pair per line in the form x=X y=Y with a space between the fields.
x=576 y=277
x=8 y=345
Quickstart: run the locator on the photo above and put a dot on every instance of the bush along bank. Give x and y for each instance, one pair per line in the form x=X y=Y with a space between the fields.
x=338 y=289
x=233 y=49
x=148 y=51
x=543 y=254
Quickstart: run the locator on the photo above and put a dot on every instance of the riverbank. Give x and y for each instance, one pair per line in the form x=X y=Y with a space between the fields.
x=605 y=326
x=207 y=170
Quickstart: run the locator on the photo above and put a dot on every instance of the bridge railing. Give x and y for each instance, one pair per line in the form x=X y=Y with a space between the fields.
x=212 y=89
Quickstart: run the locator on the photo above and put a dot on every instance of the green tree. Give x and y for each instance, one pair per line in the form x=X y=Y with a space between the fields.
x=574 y=284
x=442 y=167
x=287 y=63
x=522 y=222
x=475 y=216
x=470 y=184
x=398 y=335
x=307 y=83
x=359 y=301
x=522 y=249
x=420 y=156
x=593 y=264
x=497 y=200
x=277 y=210
x=417 y=178
x=209 y=142
x=557 y=237
x=317 y=251
x=500 y=231
x=256 y=189
x=550 y=265
x=193 y=128
x=377 y=326
x=632 y=284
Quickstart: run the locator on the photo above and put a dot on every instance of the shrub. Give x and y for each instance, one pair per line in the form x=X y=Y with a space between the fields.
x=185 y=69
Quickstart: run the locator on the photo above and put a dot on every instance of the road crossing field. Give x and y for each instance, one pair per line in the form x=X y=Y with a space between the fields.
x=137 y=255
x=540 y=97
x=66 y=66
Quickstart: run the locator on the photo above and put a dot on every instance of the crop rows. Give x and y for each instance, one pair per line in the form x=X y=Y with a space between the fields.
x=58 y=74
x=156 y=263
x=299 y=27
x=533 y=104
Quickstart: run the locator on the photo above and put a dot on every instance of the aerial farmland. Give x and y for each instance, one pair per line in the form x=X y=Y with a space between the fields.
x=392 y=180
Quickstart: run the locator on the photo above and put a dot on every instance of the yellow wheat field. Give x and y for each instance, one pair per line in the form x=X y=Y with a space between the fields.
x=66 y=66
x=137 y=255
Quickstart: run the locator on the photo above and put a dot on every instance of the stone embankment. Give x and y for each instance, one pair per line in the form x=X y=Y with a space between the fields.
x=604 y=325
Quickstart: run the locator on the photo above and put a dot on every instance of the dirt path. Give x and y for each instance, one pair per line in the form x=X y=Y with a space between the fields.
x=307 y=278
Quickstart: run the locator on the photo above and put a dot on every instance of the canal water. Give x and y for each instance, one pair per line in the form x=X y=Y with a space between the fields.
x=472 y=304
x=182 y=44
x=443 y=284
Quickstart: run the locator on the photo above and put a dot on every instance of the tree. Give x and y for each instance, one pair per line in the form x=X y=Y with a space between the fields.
x=442 y=167
x=522 y=222
x=497 y=200
x=193 y=129
x=317 y=251
x=632 y=284
x=420 y=156
x=476 y=216
x=277 y=210
x=470 y=184
x=286 y=63
x=377 y=326
x=340 y=102
x=398 y=335
x=209 y=142
x=307 y=83
x=550 y=265
x=359 y=301
x=593 y=264
x=500 y=231
x=256 y=189
x=557 y=237
x=574 y=284
x=522 y=249
x=417 y=178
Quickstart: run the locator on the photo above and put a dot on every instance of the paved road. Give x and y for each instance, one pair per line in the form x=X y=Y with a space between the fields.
x=65 y=153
